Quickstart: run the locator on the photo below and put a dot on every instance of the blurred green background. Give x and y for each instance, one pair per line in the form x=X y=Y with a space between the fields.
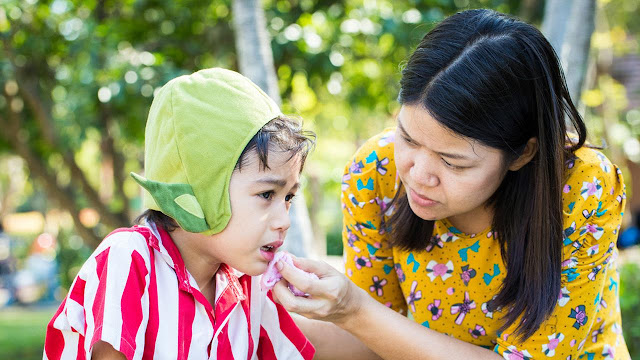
x=77 y=78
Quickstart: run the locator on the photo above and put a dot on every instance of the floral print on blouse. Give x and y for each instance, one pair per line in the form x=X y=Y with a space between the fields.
x=449 y=285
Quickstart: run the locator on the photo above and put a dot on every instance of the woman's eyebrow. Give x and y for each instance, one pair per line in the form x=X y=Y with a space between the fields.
x=454 y=156
x=404 y=132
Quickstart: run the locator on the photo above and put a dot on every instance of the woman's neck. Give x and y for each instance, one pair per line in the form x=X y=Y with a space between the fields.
x=475 y=221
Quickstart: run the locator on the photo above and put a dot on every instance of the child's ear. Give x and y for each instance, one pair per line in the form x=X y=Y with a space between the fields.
x=529 y=152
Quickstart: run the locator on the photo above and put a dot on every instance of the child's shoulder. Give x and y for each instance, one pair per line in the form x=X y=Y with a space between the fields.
x=129 y=239
x=120 y=249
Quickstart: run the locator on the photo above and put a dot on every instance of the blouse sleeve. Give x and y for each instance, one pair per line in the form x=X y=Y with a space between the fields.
x=593 y=204
x=367 y=189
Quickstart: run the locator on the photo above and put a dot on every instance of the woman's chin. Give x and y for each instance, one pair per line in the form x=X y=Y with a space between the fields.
x=424 y=214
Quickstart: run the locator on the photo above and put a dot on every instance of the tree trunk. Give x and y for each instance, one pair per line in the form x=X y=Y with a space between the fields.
x=554 y=23
x=569 y=24
x=255 y=61
x=255 y=58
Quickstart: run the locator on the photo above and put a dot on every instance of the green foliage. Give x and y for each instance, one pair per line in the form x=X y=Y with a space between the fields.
x=81 y=75
x=630 y=306
x=78 y=78
x=91 y=67
x=94 y=65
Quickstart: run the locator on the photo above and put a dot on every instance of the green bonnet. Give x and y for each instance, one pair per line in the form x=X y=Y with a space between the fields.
x=197 y=127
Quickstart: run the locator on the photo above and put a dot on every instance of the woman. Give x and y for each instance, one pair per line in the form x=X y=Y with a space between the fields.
x=478 y=215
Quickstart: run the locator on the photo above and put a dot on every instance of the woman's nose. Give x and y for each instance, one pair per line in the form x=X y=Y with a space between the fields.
x=423 y=173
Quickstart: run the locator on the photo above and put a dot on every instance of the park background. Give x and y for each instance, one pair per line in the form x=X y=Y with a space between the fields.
x=77 y=79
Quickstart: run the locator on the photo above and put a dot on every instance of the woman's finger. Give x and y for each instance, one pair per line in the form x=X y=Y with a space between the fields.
x=299 y=278
x=297 y=304
x=274 y=292
x=280 y=290
x=319 y=268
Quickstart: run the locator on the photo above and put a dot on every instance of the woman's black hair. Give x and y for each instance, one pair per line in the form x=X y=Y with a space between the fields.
x=497 y=80
x=282 y=133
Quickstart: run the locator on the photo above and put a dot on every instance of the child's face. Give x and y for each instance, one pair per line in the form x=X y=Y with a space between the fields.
x=260 y=201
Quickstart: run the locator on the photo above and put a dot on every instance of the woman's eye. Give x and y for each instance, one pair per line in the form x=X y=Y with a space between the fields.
x=454 y=167
x=267 y=195
x=407 y=140
x=289 y=197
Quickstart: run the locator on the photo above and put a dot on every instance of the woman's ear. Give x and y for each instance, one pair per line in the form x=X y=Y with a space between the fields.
x=529 y=152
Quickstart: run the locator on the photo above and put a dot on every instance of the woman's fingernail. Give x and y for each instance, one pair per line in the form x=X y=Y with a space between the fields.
x=279 y=265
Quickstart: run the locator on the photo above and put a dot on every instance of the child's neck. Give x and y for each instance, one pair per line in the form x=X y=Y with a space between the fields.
x=202 y=268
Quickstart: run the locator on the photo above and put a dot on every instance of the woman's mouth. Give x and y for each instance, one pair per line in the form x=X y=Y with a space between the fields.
x=421 y=200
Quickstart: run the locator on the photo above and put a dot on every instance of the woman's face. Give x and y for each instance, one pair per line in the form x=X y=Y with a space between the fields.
x=445 y=174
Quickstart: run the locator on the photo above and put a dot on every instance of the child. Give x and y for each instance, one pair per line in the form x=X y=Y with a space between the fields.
x=222 y=165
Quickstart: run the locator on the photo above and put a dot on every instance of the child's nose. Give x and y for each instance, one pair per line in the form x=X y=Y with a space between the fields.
x=282 y=221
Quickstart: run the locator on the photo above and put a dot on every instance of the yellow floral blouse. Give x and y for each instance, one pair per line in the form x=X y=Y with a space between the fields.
x=449 y=285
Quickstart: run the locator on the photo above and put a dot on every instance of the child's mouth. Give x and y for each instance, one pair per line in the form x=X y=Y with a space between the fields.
x=268 y=252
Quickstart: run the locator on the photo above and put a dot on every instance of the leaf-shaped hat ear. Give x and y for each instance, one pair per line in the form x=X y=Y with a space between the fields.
x=177 y=201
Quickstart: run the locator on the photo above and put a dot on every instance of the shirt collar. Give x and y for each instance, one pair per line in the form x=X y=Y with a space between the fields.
x=229 y=290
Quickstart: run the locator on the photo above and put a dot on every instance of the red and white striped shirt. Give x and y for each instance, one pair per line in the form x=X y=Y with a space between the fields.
x=135 y=293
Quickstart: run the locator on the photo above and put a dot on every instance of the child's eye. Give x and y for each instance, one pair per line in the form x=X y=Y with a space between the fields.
x=267 y=195
x=289 y=197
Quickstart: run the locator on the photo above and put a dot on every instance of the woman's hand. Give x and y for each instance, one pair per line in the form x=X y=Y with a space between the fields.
x=335 y=298
x=332 y=297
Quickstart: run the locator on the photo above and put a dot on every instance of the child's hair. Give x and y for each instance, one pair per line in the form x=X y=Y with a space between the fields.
x=282 y=133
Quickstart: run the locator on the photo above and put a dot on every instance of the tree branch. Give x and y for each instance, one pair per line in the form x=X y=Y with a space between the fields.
x=118 y=174
x=108 y=142
x=39 y=171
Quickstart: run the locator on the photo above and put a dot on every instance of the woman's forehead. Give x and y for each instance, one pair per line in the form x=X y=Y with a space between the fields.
x=421 y=127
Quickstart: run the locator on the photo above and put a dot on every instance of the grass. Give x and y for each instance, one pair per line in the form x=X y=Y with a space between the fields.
x=22 y=331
